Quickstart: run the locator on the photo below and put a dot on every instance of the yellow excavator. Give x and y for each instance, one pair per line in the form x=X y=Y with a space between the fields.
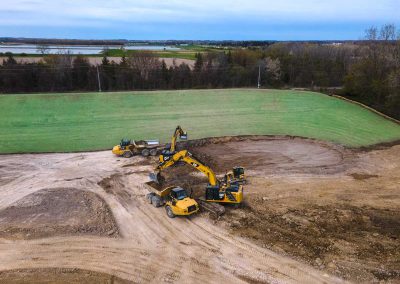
x=178 y=133
x=236 y=174
x=221 y=191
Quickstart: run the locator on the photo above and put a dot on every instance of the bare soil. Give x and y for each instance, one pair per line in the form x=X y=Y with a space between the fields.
x=58 y=276
x=314 y=212
x=57 y=212
x=273 y=155
x=318 y=202
x=97 y=60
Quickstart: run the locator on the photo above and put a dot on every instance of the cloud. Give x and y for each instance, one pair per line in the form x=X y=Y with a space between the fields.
x=216 y=14
x=212 y=10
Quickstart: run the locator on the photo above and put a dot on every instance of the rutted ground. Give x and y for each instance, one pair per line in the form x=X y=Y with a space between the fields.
x=58 y=276
x=303 y=200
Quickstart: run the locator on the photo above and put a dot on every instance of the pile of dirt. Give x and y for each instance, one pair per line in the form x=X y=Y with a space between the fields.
x=359 y=243
x=185 y=176
x=57 y=212
x=58 y=276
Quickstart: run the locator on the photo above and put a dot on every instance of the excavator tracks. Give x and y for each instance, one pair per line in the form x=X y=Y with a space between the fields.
x=214 y=208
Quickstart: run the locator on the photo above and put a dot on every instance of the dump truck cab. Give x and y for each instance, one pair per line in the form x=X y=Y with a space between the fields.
x=176 y=200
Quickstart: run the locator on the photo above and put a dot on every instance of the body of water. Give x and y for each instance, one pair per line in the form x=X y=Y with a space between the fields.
x=75 y=49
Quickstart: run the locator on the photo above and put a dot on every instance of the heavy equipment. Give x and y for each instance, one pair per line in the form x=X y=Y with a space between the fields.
x=221 y=191
x=170 y=149
x=236 y=174
x=176 y=200
x=127 y=148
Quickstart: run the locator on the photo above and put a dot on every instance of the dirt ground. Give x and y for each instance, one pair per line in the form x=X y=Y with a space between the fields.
x=314 y=213
x=55 y=212
x=97 y=60
x=58 y=276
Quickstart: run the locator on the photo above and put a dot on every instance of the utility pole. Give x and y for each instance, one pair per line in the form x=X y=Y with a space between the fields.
x=259 y=77
x=98 y=78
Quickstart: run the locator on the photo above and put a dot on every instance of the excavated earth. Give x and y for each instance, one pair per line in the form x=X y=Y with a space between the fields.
x=314 y=212
x=56 y=212
x=58 y=276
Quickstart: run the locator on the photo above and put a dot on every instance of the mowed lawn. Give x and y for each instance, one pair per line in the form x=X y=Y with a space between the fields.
x=93 y=121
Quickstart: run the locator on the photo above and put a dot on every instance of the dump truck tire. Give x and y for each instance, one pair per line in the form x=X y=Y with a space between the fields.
x=169 y=212
x=155 y=200
x=149 y=197
x=145 y=152
x=127 y=154
x=153 y=152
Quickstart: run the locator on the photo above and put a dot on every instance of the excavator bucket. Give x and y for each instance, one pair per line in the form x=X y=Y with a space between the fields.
x=183 y=136
x=156 y=177
x=153 y=177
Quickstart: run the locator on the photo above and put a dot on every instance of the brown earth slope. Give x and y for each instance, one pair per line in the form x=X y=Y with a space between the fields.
x=314 y=213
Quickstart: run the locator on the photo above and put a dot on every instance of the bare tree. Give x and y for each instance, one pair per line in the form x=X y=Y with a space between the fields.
x=144 y=62
x=388 y=32
x=42 y=49
x=371 y=33
x=273 y=67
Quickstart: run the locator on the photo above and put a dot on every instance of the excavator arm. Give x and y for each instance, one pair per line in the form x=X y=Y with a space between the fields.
x=227 y=191
x=178 y=133
x=188 y=158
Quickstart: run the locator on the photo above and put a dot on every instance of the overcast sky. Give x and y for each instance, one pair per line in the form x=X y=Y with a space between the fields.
x=199 y=19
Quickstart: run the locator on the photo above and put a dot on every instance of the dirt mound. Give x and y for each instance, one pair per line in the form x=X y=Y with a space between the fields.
x=58 y=276
x=55 y=212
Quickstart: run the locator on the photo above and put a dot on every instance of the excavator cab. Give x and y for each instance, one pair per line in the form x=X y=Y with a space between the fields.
x=238 y=172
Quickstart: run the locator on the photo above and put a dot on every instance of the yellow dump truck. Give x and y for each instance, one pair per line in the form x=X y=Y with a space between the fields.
x=127 y=148
x=176 y=200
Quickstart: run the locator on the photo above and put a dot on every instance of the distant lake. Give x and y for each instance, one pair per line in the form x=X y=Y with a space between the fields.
x=76 y=49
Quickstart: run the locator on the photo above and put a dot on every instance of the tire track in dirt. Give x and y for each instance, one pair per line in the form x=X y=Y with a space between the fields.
x=153 y=248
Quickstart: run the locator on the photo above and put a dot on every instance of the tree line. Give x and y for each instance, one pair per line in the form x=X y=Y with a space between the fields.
x=367 y=71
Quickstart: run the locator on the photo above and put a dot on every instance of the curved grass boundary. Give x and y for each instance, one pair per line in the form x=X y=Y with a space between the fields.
x=31 y=123
x=368 y=108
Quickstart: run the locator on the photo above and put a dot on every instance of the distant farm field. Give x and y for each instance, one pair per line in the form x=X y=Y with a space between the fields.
x=93 y=121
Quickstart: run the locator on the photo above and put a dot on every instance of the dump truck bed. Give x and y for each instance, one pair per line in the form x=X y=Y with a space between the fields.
x=147 y=143
x=157 y=189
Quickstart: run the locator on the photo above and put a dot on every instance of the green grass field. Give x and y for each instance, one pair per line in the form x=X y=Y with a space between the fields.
x=92 y=121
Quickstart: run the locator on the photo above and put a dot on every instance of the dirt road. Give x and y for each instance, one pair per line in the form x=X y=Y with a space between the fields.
x=139 y=243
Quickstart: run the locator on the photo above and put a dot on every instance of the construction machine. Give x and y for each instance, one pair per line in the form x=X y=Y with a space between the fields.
x=170 y=149
x=236 y=174
x=176 y=200
x=221 y=191
x=127 y=148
